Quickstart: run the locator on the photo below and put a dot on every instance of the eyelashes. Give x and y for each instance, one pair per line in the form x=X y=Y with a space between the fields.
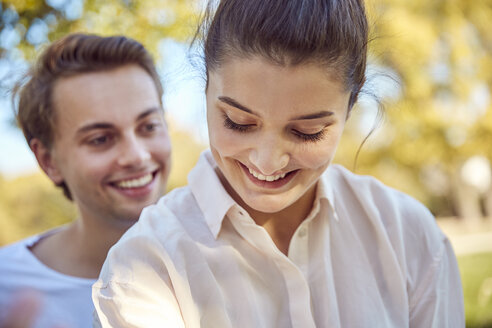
x=310 y=137
x=231 y=125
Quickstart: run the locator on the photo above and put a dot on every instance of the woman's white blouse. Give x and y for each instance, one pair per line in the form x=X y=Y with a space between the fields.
x=366 y=256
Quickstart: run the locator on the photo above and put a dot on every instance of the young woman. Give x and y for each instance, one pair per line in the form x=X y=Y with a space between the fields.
x=268 y=233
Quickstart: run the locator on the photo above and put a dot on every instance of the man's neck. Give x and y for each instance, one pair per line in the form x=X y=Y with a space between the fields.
x=79 y=249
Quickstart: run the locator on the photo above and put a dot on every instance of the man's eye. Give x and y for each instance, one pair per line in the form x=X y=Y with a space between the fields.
x=150 y=127
x=99 y=141
x=230 y=124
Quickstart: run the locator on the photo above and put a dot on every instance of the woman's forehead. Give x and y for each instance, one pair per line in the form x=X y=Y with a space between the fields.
x=262 y=86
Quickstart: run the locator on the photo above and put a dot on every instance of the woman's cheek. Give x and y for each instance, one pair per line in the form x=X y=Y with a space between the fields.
x=315 y=159
x=228 y=143
x=317 y=155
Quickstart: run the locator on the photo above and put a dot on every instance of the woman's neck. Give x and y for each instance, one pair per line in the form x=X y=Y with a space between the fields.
x=281 y=225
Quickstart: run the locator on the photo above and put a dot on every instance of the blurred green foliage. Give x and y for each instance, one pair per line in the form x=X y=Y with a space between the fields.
x=440 y=54
x=145 y=20
x=476 y=273
x=31 y=204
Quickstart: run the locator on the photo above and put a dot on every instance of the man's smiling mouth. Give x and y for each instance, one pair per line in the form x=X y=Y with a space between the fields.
x=135 y=182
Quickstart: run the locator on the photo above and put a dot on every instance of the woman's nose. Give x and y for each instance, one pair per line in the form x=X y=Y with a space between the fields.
x=269 y=156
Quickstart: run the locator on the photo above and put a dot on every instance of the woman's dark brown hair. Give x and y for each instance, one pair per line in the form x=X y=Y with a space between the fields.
x=69 y=56
x=333 y=33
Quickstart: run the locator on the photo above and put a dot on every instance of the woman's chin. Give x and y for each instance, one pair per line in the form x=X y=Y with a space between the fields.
x=266 y=206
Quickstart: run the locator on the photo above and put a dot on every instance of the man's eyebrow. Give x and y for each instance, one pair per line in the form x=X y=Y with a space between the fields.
x=313 y=116
x=234 y=103
x=148 y=112
x=105 y=125
x=94 y=126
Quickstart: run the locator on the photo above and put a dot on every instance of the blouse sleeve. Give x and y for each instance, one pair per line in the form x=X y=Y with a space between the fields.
x=438 y=298
x=148 y=300
x=120 y=305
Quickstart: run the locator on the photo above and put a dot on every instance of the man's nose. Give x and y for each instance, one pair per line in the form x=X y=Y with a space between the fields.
x=133 y=152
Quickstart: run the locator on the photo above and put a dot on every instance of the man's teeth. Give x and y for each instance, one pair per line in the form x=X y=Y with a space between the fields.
x=268 y=178
x=135 y=183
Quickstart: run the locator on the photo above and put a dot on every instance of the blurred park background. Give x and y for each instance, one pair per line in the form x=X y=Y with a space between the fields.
x=430 y=65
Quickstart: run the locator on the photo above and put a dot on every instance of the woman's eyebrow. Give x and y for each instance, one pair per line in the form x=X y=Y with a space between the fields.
x=234 y=103
x=313 y=116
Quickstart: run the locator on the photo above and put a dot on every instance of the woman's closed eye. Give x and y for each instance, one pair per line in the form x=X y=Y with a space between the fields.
x=303 y=136
x=311 y=137
x=230 y=124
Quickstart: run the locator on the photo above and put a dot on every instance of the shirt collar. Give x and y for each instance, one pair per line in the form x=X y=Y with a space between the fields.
x=325 y=189
x=215 y=202
x=210 y=194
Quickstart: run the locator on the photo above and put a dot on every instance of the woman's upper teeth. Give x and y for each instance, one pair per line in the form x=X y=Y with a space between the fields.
x=268 y=178
x=135 y=183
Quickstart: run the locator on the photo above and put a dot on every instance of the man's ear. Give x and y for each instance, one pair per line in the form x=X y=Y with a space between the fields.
x=349 y=112
x=46 y=161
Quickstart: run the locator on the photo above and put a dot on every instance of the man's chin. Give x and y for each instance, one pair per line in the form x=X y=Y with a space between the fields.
x=125 y=220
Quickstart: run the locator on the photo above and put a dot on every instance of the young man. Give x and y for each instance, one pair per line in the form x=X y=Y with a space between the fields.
x=91 y=113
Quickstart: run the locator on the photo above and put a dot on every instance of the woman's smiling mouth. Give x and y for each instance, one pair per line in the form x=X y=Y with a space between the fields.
x=268 y=178
x=268 y=181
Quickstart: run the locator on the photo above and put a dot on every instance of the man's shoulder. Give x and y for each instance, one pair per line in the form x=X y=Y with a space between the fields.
x=21 y=271
x=17 y=259
x=16 y=251
x=17 y=267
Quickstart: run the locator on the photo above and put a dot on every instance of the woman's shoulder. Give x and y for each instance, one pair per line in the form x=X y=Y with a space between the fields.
x=398 y=213
x=161 y=229
x=372 y=192
x=175 y=219
x=173 y=213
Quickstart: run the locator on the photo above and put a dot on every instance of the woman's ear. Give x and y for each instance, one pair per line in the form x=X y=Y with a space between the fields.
x=46 y=160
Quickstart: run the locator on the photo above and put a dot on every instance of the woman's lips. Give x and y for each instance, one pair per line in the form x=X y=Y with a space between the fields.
x=260 y=180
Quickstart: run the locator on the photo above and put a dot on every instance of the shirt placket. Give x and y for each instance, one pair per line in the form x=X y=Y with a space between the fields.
x=296 y=284
x=296 y=274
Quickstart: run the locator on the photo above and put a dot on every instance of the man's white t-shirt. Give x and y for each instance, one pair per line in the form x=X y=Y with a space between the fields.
x=66 y=300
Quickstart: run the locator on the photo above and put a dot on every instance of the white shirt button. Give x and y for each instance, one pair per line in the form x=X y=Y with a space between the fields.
x=302 y=232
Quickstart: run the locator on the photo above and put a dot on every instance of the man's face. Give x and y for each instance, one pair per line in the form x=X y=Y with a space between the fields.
x=111 y=144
